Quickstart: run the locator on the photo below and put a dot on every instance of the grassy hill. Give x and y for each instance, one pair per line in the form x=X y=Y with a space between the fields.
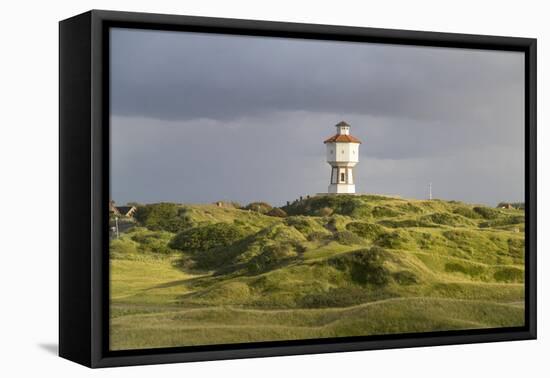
x=334 y=266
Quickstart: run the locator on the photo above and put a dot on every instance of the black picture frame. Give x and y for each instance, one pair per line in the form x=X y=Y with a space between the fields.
x=84 y=187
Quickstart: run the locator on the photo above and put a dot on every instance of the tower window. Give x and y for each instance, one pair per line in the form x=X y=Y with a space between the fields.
x=342 y=176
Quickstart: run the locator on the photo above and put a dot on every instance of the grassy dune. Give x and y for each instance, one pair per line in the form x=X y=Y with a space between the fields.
x=335 y=266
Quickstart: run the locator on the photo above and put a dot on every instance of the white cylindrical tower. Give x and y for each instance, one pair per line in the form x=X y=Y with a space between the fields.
x=342 y=155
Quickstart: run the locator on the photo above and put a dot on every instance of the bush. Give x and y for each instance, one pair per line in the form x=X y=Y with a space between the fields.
x=487 y=212
x=318 y=205
x=300 y=223
x=410 y=208
x=163 y=216
x=276 y=212
x=305 y=225
x=207 y=237
x=405 y=223
x=459 y=236
x=366 y=266
x=228 y=293
x=516 y=247
x=424 y=240
x=346 y=237
x=455 y=267
x=446 y=219
x=391 y=240
x=470 y=270
x=405 y=277
x=156 y=242
x=466 y=212
x=271 y=256
x=324 y=212
x=509 y=275
x=384 y=211
x=260 y=207
x=318 y=236
x=368 y=231
x=504 y=221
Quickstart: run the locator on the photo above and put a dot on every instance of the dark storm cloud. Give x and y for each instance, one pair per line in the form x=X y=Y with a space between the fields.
x=198 y=118
x=167 y=75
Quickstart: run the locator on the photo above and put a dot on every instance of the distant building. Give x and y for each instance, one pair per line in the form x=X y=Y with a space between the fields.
x=112 y=208
x=124 y=211
x=511 y=205
x=127 y=211
x=342 y=155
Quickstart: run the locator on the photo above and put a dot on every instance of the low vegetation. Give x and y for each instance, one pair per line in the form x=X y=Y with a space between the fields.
x=326 y=266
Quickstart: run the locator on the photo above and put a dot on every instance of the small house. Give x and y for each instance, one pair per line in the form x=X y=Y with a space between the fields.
x=112 y=208
x=126 y=211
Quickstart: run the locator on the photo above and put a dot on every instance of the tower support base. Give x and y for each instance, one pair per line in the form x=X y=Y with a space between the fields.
x=341 y=188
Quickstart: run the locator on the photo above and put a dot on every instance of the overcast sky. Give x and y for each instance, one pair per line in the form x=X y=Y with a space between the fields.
x=204 y=117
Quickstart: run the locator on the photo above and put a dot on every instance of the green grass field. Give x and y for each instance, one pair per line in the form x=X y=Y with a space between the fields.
x=334 y=266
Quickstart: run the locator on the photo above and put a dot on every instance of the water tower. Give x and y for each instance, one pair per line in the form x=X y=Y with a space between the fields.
x=342 y=155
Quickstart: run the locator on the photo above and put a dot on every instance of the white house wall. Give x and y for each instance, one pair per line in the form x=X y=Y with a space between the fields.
x=346 y=153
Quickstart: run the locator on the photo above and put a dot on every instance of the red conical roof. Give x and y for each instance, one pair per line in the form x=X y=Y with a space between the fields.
x=340 y=138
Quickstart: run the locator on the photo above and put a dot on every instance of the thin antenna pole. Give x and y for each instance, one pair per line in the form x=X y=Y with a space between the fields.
x=430 y=191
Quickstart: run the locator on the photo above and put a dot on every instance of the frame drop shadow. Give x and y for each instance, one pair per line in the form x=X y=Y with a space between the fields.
x=52 y=348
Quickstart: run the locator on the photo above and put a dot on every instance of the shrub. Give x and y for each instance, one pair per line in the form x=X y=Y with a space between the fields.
x=470 y=270
x=332 y=224
x=156 y=242
x=504 y=221
x=346 y=237
x=369 y=231
x=276 y=212
x=405 y=277
x=455 y=267
x=410 y=208
x=391 y=240
x=230 y=293
x=324 y=212
x=306 y=225
x=405 y=223
x=298 y=222
x=424 y=240
x=446 y=219
x=509 y=275
x=459 y=236
x=207 y=237
x=384 y=211
x=487 y=212
x=318 y=236
x=516 y=247
x=163 y=216
x=260 y=207
x=366 y=266
x=271 y=256
x=466 y=212
x=235 y=204
x=341 y=204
